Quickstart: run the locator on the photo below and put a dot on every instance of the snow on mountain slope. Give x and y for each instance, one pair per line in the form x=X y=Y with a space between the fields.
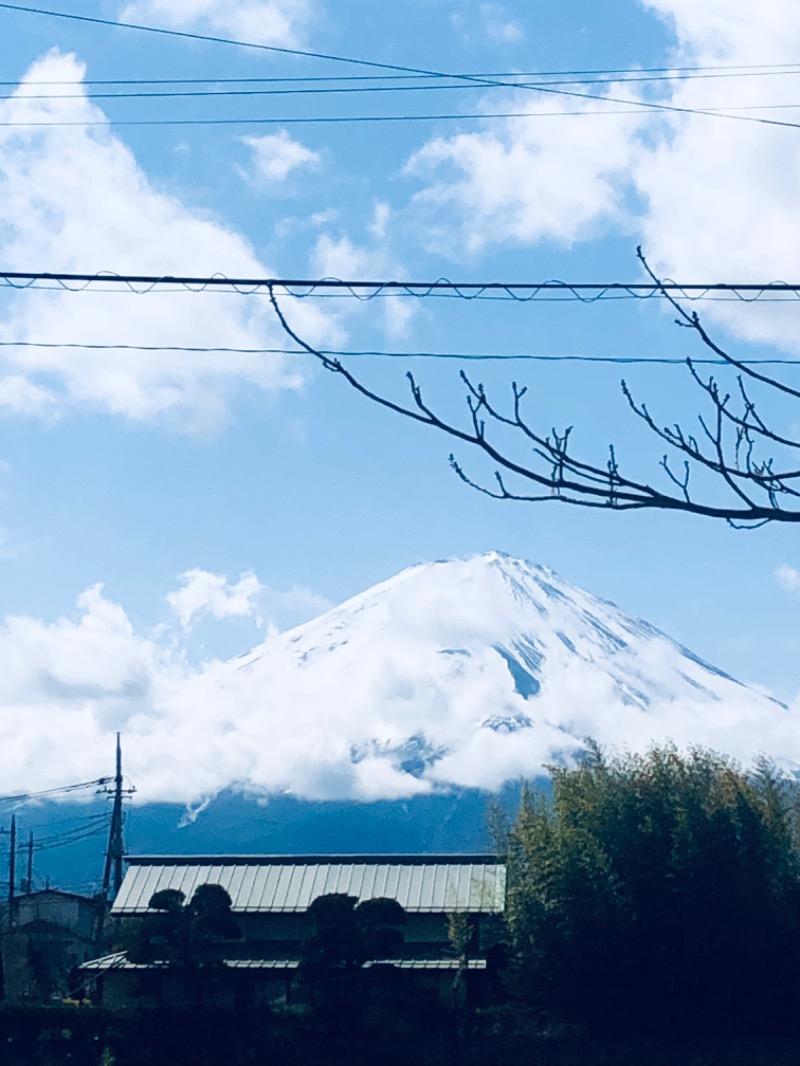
x=465 y=672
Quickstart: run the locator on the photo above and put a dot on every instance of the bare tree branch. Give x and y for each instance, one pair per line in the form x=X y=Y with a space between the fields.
x=726 y=448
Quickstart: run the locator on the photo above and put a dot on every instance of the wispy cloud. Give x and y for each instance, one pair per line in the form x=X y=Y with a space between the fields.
x=277 y=156
x=104 y=213
x=499 y=27
x=788 y=578
x=7 y=548
x=328 y=711
x=273 y=22
x=342 y=257
x=708 y=197
x=204 y=593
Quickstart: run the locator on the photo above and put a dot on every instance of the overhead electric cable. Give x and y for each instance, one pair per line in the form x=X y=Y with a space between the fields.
x=23 y=796
x=72 y=840
x=328 y=89
x=376 y=65
x=744 y=70
x=564 y=295
x=93 y=825
x=368 y=289
x=481 y=357
x=75 y=820
x=323 y=120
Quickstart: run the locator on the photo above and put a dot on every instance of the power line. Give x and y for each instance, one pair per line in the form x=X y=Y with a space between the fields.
x=89 y=834
x=727 y=69
x=368 y=289
x=91 y=825
x=394 y=67
x=495 y=296
x=483 y=357
x=328 y=89
x=75 y=820
x=332 y=120
x=211 y=38
x=63 y=790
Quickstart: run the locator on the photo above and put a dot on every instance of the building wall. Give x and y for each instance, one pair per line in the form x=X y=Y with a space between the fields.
x=59 y=909
x=294 y=928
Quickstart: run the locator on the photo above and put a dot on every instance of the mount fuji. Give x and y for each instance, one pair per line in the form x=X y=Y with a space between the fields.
x=470 y=673
x=383 y=724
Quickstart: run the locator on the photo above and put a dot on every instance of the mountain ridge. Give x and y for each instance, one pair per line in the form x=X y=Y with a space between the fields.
x=386 y=723
x=471 y=672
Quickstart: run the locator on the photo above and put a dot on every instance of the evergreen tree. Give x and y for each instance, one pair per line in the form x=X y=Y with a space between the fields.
x=661 y=889
x=183 y=933
x=346 y=934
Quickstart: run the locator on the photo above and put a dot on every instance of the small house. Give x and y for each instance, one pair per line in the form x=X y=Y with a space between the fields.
x=270 y=896
x=51 y=933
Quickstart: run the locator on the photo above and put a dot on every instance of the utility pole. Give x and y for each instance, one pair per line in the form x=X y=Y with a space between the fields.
x=29 y=878
x=12 y=872
x=115 y=852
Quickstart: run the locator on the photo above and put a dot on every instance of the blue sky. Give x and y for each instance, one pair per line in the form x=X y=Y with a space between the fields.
x=213 y=498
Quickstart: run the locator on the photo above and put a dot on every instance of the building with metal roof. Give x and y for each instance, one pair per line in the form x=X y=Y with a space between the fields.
x=270 y=897
x=281 y=884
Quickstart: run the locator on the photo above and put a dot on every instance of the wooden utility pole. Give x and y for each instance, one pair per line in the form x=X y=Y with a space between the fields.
x=12 y=872
x=115 y=852
x=29 y=878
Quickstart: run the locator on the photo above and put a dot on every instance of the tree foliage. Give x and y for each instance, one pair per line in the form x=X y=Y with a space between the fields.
x=183 y=933
x=346 y=934
x=658 y=890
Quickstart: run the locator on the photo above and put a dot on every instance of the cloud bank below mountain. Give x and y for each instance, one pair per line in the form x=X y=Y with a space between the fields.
x=465 y=673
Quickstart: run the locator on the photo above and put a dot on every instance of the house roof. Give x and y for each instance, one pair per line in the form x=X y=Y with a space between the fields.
x=281 y=884
x=57 y=893
x=119 y=962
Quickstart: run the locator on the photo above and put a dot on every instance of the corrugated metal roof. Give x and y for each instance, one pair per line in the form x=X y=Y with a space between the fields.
x=428 y=964
x=117 y=962
x=285 y=884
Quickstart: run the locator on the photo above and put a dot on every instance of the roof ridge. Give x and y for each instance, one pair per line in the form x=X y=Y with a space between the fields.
x=436 y=859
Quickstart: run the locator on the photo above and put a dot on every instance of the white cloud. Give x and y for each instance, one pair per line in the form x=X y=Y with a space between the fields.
x=331 y=711
x=76 y=200
x=271 y=22
x=720 y=195
x=202 y=592
x=525 y=179
x=276 y=156
x=7 y=549
x=788 y=577
x=381 y=216
x=67 y=685
x=340 y=257
x=709 y=198
x=498 y=27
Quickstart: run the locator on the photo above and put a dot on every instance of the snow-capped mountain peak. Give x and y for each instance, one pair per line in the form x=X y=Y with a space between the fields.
x=471 y=672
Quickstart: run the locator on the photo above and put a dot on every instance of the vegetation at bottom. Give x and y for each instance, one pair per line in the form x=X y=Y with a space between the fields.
x=653 y=919
x=369 y=1033
x=658 y=893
